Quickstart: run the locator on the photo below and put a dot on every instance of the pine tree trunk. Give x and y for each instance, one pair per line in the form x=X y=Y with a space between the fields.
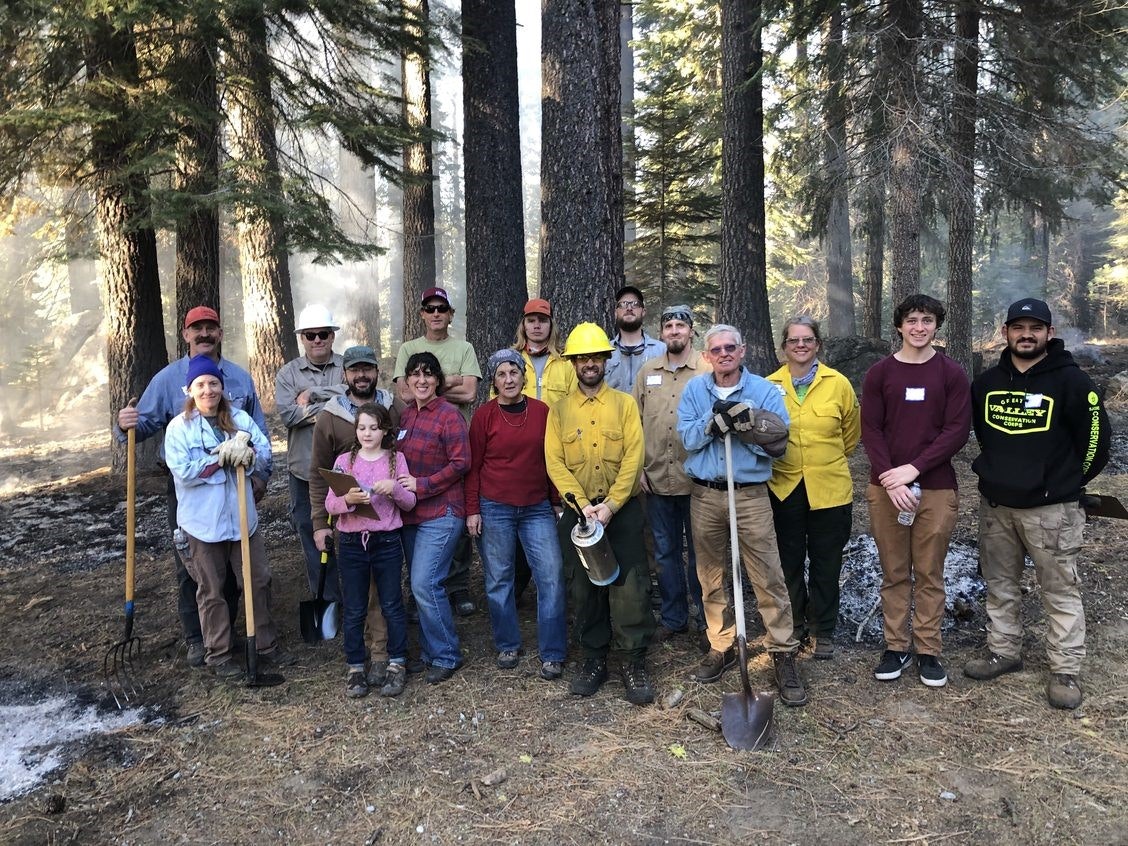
x=268 y=306
x=135 y=347
x=626 y=111
x=904 y=158
x=197 y=170
x=743 y=297
x=839 y=258
x=581 y=160
x=961 y=217
x=495 y=233
x=419 y=264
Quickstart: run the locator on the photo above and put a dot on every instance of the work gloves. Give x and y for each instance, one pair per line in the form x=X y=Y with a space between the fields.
x=235 y=451
x=754 y=426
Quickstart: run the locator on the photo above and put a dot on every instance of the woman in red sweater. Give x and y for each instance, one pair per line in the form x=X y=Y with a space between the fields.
x=509 y=497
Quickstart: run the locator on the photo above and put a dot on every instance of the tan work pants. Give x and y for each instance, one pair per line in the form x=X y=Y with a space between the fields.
x=1051 y=535
x=708 y=511
x=912 y=567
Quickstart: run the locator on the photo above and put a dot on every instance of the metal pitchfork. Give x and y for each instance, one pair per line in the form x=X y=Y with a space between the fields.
x=117 y=666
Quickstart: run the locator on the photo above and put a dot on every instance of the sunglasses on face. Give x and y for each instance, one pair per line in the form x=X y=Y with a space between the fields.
x=794 y=342
x=441 y=309
x=316 y=336
x=728 y=349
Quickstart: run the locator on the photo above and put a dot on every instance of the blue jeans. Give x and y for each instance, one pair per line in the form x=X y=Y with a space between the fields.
x=535 y=526
x=430 y=547
x=382 y=563
x=669 y=520
x=302 y=522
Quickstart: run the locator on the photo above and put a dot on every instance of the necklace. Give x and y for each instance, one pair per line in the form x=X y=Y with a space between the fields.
x=523 y=414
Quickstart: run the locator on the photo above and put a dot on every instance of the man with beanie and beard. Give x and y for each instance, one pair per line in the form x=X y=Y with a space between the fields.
x=1043 y=435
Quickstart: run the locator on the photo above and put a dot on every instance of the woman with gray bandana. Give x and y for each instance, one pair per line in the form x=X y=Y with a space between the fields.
x=509 y=498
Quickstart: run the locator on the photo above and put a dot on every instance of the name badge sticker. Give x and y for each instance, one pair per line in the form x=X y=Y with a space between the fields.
x=782 y=390
x=402 y=434
x=914 y=394
x=1033 y=400
x=654 y=379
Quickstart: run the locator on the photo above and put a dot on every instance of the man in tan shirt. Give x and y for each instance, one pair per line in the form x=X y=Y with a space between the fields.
x=657 y=390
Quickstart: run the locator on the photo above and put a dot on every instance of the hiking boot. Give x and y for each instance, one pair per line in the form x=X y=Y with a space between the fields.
x=790 y=686
x=991 y=666
x=713 y=665
x=551 y=670
x=195 y=653
x=703 y=645
x=590 y=678
x=636 y=681
x=891 y=665
x=438 y=675
x=228 y=670
x=415 y=666
x=462 y=604
x=377 y=673
x=824 y=649
x=662 y=633
x=508 y=660
x=277 y=657
x=931 y=671
x=395 y=680
x=1063 y=691
x=356 y=686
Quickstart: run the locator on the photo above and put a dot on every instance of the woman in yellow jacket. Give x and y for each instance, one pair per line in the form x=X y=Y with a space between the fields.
x=811 y=489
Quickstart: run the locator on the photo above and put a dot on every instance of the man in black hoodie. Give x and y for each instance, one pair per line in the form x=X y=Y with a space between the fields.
x=1043 y=434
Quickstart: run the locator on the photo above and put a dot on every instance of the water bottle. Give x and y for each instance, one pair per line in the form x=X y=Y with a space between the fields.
x=905 y=518
x=180 y=541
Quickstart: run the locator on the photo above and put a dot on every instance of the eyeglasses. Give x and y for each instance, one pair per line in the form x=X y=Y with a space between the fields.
x=582 y=359
x=628 y=305
x=807 y=342
x=441 y=309
x=728 y=349
x=316 y=336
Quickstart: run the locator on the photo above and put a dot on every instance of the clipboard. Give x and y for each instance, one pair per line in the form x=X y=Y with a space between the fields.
x=341 y=484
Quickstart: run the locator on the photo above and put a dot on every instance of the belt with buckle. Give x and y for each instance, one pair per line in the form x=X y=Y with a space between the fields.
x=723 y=486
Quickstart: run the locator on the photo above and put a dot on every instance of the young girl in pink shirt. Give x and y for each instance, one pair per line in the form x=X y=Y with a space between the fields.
x=370 y=549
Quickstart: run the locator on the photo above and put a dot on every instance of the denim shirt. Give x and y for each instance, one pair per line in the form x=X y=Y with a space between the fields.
x=164 y=397
x=208 y=508
x=706 y=459
x=622 y=369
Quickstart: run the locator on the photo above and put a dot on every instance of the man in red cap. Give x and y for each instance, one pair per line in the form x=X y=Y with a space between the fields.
x=549 y=377
x=161 y=401
x=462 y=374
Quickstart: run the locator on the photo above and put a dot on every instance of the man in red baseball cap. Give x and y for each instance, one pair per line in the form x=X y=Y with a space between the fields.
x=548 y=376
x=162 y=400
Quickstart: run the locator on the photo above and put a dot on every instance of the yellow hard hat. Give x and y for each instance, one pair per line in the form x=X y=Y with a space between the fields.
x=587 y=339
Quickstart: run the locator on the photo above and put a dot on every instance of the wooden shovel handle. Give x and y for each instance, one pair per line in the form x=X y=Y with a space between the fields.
x=245 y=550
x=130 y=513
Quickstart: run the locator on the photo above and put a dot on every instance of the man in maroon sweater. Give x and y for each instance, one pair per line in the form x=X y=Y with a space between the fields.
x=916 y=414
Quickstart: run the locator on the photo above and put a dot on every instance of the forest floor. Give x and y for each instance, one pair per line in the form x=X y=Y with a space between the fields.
x=502 y=756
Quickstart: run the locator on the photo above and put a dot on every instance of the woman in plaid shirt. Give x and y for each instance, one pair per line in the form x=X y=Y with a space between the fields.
x=434 y=440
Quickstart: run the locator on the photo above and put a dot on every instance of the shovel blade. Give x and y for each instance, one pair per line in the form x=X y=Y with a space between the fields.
x=318 y=619
x=254 y=678
x=746 y=720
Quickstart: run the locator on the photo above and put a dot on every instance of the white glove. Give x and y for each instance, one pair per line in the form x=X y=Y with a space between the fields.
x=236 y=451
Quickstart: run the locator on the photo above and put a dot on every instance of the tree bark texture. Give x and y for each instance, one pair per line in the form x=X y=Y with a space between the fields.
x=626 y=110
x=135 y=345
x=905 y=183
x=419 y=265
x=268 y=305
x=839 y=258
x=961 y=215
x=581 y=160
x=495 y=229
x=197 y=169
x=743 y=297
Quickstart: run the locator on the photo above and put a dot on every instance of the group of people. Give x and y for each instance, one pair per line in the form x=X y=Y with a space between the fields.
x=630 y=432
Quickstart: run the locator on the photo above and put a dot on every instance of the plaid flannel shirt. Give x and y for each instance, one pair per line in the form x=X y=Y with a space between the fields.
x=435 y=442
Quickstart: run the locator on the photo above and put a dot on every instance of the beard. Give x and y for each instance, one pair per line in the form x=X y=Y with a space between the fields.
x=590 y=376
x=364 y=393
x=629 y=324
x=1035 y=351
x=676 y=345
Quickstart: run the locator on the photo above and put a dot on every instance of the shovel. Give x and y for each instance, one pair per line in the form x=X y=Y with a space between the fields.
x=254 y=677
x=316 y=617
x=117 y=666
x=746 y=717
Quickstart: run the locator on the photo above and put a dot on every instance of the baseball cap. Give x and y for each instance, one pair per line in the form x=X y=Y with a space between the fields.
x=360 y=355
x=538 y=306
x=629 y=289
x=1029 y=307
x=432 y=293
x=200 y=313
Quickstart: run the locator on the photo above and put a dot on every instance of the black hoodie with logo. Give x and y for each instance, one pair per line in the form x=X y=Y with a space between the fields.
x=1043 y=434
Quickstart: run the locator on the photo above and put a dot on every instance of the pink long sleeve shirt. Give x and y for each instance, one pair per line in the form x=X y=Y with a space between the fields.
x=388 y=509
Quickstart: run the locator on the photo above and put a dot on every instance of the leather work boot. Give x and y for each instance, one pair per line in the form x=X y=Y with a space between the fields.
x=590 y=678
x=991 y=666
x=636 y=681
x=790 y=686
x=1063 y=691
x=713 y=665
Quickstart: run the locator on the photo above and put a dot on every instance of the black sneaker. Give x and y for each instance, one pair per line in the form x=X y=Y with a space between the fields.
x=931 y=671
x=394 y=680
x=356 y=686
x=462 y=604
x=636 y=681
x=195 y=653
x=508 y=660
x=590 y=678
x=791 y=690
x=228 y=669
x=415 y=666
x=551 y=670
x=891 y=665
x=277 y=657
x=713 y=665
x=438 y=675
